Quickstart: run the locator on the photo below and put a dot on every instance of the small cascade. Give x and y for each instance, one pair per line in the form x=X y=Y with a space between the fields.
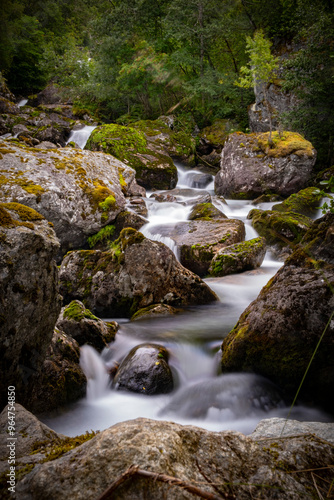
x=81 y=136
x=98 y=379
x=22 y=102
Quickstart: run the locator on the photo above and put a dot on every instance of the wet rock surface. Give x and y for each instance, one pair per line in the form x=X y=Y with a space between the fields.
x=145 y=370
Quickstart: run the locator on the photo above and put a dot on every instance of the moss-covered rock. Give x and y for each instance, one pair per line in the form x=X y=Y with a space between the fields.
x=250 y=166
x=78 y=191
x=78 y=322
x=134 y=273
x=282 y=231
x=154 y=311
x=277 y=335
x=154 y=168
x=305 y=202
x=238 y=258
x=205 y=211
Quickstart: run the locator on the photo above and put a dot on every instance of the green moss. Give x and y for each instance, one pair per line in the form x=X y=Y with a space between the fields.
x=77 y=312
x=205 y=211
x=305 y=202
x=25 y=213
x=285 y=144
x=58 y=449
x=104 y=234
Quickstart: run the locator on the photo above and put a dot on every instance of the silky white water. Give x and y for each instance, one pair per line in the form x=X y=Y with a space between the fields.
x=81 y=136
x=202 y=396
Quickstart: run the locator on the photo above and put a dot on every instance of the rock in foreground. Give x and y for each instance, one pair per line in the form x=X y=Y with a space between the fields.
x=225 y=464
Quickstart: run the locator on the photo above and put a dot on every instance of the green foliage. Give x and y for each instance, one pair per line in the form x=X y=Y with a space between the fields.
x=104 y=234
x=262 y=64
x=329 y=188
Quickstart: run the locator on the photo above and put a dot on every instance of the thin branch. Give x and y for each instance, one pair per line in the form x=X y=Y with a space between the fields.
x=316 y=487
x=135 y=471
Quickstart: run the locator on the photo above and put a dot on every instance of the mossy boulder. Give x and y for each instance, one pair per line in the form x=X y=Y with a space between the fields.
x=305 y=202
x=205 y=211
x=277 y=335
x=135 y=273
x=145 y=370
x=154 y=311
x=250 y=166
x=212 y=139
x=238 y=258
x=29 y=297
x=176 y=141
x=200 y=239
x=78 y=322
x=78 y=191
x=154 y=168
x=281 y=230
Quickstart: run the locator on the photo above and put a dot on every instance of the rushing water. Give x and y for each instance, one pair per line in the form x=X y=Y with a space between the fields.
x=80 y=136
x=202 y=397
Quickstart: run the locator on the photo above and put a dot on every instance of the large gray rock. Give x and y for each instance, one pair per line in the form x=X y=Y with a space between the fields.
x=78 y=191
x=225 y=464
x=277 y=334
x=29 y=298
x=249 y=167
x=136 y=273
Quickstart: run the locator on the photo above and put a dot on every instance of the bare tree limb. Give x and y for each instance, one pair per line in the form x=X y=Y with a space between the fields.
x=134 y=470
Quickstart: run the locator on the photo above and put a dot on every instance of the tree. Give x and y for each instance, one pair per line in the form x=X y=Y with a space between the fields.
x=261 y=68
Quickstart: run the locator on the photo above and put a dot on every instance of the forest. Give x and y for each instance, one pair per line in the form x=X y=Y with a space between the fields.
x=123 y=60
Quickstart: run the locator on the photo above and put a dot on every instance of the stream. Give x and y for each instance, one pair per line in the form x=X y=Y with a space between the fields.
x=202 y=396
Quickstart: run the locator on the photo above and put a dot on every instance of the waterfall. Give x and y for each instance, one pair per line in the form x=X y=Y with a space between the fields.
x=96 y=372
x=81 y=136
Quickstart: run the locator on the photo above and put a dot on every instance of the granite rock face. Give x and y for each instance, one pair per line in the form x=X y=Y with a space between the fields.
x=278 y=333
x=29 y=298
x=78 y=191
x=136 y=273
x=250 y=167
x=225 y=464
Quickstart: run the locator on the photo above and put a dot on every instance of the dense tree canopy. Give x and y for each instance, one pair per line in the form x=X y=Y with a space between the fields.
x=130 y=59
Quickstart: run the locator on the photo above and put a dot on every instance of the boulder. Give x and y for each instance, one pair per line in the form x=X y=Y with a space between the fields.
x=281 y=230
x=205 y=211
x=282 y=427
x=305 y=202
x=28 y=289
x=145 y=370
x=78 y=191
x=61 y=380
x=154 y=168
x=136 y=273
x=78 y=322
x=212 y=139
x=278 y=333
x=250 y=167
x=221 y=464
x=238 y=258
x=199 y=240
x=154 y=311
x=170 y=135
